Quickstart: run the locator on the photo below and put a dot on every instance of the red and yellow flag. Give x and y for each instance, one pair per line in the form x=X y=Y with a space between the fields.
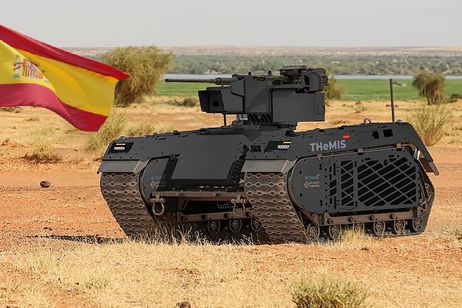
x=33 y=73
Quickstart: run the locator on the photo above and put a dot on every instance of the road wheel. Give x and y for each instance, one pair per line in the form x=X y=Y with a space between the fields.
x=378 y=228
x=213 y=227
x=334 y=232
x=313 y=232
x=398 y=227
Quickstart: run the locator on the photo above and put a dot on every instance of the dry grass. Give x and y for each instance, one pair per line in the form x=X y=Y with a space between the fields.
x=360 y=107
x=14 y=293
x=416 y=271
x=328 y=292
x=431 y=122
x=42 y=152
x=14 y=109
x=158 y=275
x=110 y=130
x=140 y=130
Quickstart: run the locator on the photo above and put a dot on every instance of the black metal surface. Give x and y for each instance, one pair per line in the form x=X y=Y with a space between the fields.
x=376 y=180
x=372 y=174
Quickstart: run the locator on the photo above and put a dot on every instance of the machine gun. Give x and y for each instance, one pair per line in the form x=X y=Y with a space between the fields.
x=293 y=96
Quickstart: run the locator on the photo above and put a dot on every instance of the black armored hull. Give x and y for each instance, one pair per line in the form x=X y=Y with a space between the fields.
x=271 y=181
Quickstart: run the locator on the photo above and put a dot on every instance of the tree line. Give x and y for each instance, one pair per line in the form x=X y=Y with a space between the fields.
x=337 y=65
x=146 y=65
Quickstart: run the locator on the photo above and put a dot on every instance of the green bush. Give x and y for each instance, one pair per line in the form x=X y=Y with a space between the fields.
x=145 y=66
x=333 y=90
x=430 y=86
x=328 y=293
x=431 y=122
x=110 y=130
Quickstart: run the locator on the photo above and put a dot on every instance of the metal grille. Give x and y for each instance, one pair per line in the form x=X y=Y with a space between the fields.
x=347 y=182
x=388 y=182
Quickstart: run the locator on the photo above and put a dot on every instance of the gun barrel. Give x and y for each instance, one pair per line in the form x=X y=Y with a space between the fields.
x=218 y=81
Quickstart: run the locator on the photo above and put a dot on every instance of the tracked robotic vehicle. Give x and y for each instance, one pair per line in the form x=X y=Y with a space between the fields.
x=259 y=176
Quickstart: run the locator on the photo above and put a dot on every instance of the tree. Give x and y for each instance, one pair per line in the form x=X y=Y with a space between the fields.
x=430 y=86
x=146 y=65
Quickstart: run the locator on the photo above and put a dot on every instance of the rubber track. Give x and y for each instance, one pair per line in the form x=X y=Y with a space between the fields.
x=268 y=195
x=122 y=194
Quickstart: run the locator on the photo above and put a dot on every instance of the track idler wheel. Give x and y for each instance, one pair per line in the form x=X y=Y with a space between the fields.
x=213 y=227
x=334 y=232
x=359 y=227
x=312 y=232
x=255 y=225
x=235 y=225
x=378 y=228
x=417 y=224
x=399 y=226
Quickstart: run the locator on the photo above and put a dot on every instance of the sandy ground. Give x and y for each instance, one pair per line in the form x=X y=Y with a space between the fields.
x=419 y=271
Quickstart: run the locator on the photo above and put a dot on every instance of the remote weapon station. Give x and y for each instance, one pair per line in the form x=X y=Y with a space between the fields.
x=259 y=176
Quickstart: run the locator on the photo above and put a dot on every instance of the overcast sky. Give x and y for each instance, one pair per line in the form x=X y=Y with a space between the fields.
x=237 y=22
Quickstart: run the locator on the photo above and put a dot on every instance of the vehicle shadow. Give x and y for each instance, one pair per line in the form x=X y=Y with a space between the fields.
x=89 y=239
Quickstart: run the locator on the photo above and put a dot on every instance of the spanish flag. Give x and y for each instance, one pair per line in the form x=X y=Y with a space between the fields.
x=33 y=73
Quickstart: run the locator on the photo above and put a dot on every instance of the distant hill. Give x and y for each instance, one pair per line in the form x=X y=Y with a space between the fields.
x=285 y=50
x=337 y=60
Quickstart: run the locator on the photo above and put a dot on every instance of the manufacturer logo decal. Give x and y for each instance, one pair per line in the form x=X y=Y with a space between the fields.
x=326 y=146
x=312 y=181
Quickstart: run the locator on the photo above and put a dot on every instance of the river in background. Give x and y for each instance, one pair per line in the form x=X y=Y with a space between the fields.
x=347 y=77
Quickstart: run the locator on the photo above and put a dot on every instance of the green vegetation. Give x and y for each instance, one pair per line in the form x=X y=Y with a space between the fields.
x=146 y=65
x=355 y=90
x=328 y=293
x=333 y=90
x=335 y=64
x=431 y=86
x=431 y=122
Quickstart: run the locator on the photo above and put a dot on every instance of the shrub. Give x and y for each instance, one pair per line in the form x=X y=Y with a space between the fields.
x=430 y=86
x=140 y=130
x=191 y=101
x=333 y=90
x=145 y=66
x=431 y=122
x=328 y=293
x=359 y=107
x=42 y=152
x=110 y=130
x=454 y=97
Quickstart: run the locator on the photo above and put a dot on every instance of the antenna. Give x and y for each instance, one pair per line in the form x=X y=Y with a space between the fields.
x=392 y=100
